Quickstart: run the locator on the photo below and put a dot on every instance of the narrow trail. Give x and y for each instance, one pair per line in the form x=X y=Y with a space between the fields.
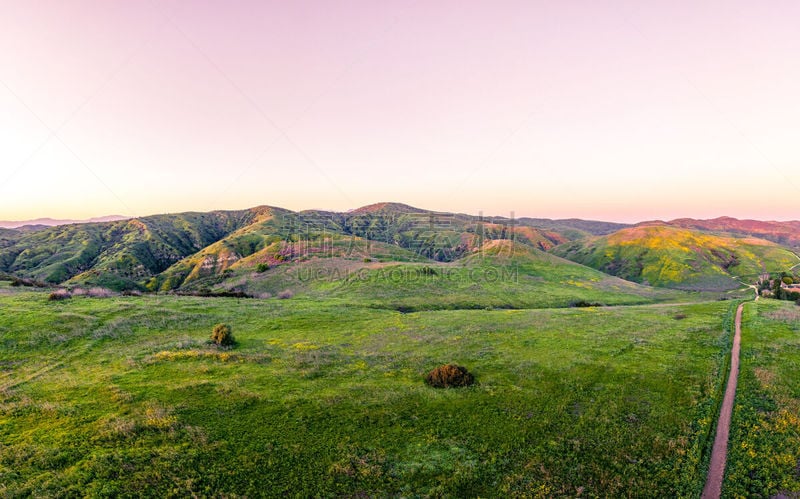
x=719 y=453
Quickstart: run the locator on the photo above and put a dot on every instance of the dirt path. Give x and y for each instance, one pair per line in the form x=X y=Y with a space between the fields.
x=719 y=453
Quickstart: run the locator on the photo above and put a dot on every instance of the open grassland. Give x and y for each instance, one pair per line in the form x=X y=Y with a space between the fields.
x=764 y=456
x=123 y=396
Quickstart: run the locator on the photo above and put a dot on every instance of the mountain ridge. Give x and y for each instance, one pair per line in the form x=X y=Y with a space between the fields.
x=197 y=249
x=54 y=222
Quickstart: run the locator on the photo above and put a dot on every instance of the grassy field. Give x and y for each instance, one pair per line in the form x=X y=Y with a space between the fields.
x=122 y=396
x=764 y=458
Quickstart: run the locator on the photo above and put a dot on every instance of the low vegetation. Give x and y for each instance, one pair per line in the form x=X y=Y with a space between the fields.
x=449 y=376
x=222 y=335
x=764 y=455
x=321 y=398
x=59 y=294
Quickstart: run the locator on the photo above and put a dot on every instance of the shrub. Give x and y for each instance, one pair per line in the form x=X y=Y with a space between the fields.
x=222 y=335
x=791 y=295
x=262 y=267
x=680 y=316
x=131 y=292
x=584 y=303
x=449 y=376
x=16 y=282
x=59 y=294
x=285 y=294
x=100 y=292
x=207 y=293
x=367 y=260
x=429 y=271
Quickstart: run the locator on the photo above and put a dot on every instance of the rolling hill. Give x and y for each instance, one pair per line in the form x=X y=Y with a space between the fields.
x=662 y=255
x=252 y=250
x=501 y=274
x=118 y=254
x=784 y=233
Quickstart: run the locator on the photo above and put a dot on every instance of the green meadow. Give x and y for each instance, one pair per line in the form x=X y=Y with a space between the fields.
x=123 y=396
x=765 y=428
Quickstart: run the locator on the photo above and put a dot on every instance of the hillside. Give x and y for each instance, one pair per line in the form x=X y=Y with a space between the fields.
x=165 y=252
x=661 y=255
x=282 y=238
x=575 y=226
x=783 y=233
x=8 y=237
x=117 y=254
x=500 y=275
x=201 y=251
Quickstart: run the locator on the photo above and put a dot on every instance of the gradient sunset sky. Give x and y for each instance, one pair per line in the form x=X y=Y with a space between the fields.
x=614 y=110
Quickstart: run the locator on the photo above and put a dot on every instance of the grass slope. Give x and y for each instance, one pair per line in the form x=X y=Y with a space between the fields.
x=503 y=274
x=784 y=233
x=680 y=258
x=164 y=252
x=122 y=396
x=764 y=456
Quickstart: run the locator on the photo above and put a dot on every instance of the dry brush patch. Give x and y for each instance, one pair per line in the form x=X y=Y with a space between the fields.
x=449 y=376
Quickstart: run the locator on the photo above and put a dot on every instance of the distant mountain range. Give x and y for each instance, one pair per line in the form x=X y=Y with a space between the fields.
x=38 y=223
x=264 y=248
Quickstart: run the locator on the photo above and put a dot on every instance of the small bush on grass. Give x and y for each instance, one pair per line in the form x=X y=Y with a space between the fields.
x=16 y=281
x=262 y=267
x=584 y=303
x=98 y=292
x=285 y=295
x=59 y=294
x=428 y=271
x=222 y=335
x=449 y=376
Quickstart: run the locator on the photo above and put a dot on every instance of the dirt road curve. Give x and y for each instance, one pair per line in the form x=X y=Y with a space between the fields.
x=719 y=453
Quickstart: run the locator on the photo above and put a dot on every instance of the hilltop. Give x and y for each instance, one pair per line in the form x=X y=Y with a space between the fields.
x=786 y=233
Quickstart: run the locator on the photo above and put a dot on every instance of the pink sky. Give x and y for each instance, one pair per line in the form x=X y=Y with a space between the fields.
x=607 y=110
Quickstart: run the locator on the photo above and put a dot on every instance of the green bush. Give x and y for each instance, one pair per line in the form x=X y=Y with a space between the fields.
x=584 y=303
x=262 y=267
x=449 y=376
x=222 y=335
x=429 y=271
